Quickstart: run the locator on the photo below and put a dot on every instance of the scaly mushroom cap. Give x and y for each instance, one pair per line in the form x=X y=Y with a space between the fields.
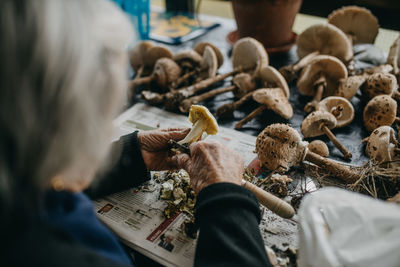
x=209 y=63
x=340 y=107
x=155 y=53
x=380 y=84
x=358 y=22
x=312 y=124
x=280 y=147
x=349 y=87
x=274 y=99
x=244 y=84
x=137 y=54
x=270 y=77
x=381 y=144
x=249 y=53
x=319 y=147
x=333 y=70
x=380 y=110
x=166 y=71
x=200 y=47
x=198 y=112
x=188 y=55
x=327 y=39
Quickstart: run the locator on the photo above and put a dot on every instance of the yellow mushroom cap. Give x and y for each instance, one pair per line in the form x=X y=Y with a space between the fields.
x=199 y=112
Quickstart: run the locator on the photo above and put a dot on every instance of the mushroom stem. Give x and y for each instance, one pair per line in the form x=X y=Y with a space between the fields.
x=143 y=80
x=337 y=169
x=227 y=109
x=289 y=72
x=321 y=84
x=346 y=153
x=195 y=133
x=185 y=105
x=249 y=117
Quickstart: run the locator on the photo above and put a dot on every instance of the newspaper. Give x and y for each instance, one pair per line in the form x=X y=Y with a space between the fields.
x=136 y=215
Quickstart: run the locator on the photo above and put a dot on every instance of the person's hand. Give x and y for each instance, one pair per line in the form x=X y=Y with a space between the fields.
x=209 y=163
x=154 y=146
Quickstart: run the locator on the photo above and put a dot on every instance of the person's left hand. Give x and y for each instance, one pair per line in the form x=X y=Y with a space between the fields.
x=154 y=146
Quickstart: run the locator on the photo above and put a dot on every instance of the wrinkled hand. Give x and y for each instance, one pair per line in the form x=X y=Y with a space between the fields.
x=154 y=146
x=210 y=163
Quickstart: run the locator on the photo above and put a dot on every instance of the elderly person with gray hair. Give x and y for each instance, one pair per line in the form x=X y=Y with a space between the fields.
x=62 y=81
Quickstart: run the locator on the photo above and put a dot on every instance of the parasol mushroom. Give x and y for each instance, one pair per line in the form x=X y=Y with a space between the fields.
x=327 y=39
x=380 y=110
x=348 y=87
x=381 y=84
x=381 y=145
x=290 y=71
x=280 y=147
x=248 y=55
x=165 y=71
x=339 y=107
x=242 y=84
x=357 y=23
x=319 y=147
x=320 y=79
x=319 y=123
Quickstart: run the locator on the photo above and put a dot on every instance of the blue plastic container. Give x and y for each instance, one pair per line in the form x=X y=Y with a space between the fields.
x=139 y=13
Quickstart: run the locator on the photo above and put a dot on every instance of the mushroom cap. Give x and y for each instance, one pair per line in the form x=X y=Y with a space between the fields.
x=200 y=47
x=327 y=39
x=380 y=84
x=319 y=147
x=381 y=144
x=357 y=22
x=348 y=87
x=279 y=147
x=311 y=125
x=166 y=71
x=332 y=69
x=249 y=53
x=155 y=53
x=199 y=112
x=329 y=104
x=188 y=55
x=137 y=53
x=380 y=110
x=274 y=99
x=209 y=63
x=270 y=77
x=244 y=83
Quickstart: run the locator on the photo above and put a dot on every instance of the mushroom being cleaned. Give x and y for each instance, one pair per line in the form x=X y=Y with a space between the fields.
x=381 y=145
x=319 y=123
x=319 y=147
x=380 y=110
x=242 y=84
x=279 y=147
x=339 y=107
x=381 y=84
x=327 y=39
x=320 y=79
x=357 y=23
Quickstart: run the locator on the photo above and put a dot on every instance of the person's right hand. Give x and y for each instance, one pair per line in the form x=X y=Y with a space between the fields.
x=209 y=163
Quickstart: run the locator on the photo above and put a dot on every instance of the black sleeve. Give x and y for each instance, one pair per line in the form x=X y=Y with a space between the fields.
x=129 y=170
x=228 y=216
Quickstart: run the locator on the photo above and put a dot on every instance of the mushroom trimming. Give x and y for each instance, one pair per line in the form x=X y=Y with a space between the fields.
x=279 y=147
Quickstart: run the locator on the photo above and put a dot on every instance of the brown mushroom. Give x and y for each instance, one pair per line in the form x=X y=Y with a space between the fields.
x=242 y=84
x=320 y=79
x=348 y=87
x=248 y=55
x=280 y=147
x=319 y=147
x=339 y=107
x=319 y=123
x=187 y=60
x=327 y=39
x=380 y=110
x=357 y=23
x=201 y=46
x=137 y=54
x=381 y=84
x=381 y=145
x=289 y=72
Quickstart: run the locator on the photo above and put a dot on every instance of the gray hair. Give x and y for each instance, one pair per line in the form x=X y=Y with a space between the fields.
x=62 y=80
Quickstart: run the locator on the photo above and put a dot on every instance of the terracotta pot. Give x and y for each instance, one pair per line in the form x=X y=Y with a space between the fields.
x=269 y=21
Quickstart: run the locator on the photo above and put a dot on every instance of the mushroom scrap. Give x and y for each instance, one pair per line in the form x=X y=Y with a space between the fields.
x=380 y=110
x=279 y=147
x=320 y=79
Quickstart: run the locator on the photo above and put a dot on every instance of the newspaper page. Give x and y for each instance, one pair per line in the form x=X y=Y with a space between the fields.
x=136 y=215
